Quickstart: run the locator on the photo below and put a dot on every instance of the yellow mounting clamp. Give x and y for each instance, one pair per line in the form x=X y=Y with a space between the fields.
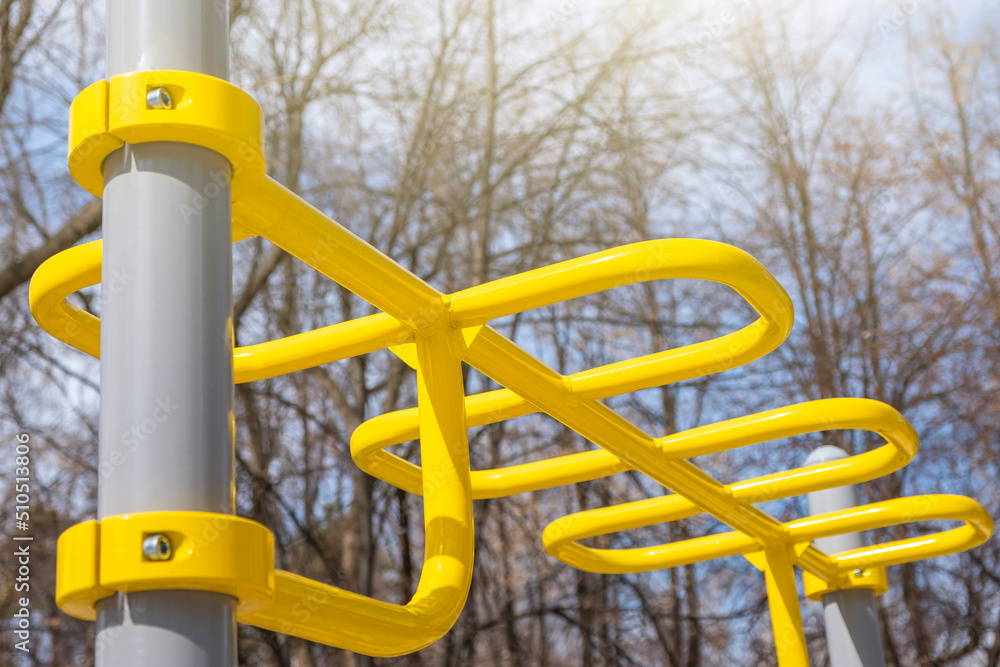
x=165 y=550
x=871 y=578
x=164 y=105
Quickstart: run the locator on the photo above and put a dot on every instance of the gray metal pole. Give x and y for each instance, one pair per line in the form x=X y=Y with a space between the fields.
x=853 y=637
x=166 y=339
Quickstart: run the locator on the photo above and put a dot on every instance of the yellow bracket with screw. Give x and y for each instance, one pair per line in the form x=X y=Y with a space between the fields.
x=212 y=552
x=204 y=111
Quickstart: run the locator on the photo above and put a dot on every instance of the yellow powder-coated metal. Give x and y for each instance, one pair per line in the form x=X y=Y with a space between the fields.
x=211 y=552
x=435 y=333
x=205 y=111
x=560 y=537
x=78 y=570
x=783 y=602
x=326 y=614
x=90 y=138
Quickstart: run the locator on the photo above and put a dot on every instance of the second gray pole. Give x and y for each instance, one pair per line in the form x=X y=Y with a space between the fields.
x=853 y=637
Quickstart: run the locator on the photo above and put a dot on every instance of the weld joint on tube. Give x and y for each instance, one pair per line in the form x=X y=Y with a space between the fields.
x=438 y=318
x=569 y=395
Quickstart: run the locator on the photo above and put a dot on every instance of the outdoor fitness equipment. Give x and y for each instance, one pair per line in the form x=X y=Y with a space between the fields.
x=435 y=333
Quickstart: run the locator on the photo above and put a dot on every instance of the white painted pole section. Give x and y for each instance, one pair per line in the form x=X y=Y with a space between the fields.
x=166 y=338
x=852 y=632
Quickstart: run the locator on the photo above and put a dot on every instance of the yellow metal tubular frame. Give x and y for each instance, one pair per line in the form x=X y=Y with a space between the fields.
x=435 y=333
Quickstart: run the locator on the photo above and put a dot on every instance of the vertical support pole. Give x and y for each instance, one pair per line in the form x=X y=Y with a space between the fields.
x=783 y=602
x=853 y=637
x=166 y=338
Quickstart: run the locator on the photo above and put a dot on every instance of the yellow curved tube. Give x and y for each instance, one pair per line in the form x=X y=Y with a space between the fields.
x=561 y=536
x=58 y=277
x=662 y=259
x=373 y=436
x=317 y=347
x=317 y=612
x=80 y=267
x=976 y=529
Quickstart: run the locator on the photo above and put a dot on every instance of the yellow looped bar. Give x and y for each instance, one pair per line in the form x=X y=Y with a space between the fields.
x=435 y=333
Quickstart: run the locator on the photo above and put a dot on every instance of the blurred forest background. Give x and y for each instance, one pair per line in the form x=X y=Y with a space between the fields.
x=853 y=148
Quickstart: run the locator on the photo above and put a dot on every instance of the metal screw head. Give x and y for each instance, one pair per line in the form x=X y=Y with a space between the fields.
x=157 y=547
x=159 y=98
x=858 y=573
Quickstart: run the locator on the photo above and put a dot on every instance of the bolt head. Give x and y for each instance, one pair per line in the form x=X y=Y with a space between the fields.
x=157 y=547
x=159 y=98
